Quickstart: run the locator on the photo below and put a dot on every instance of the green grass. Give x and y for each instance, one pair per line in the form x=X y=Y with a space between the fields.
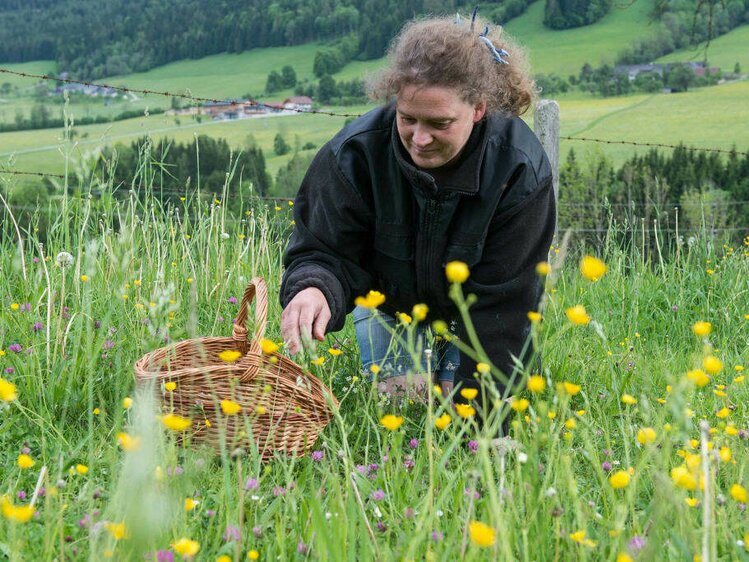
x=668 y=119
x=535 y=491
x=226 y=75
x=564 y=52
x=724 y=51
x=35 y=67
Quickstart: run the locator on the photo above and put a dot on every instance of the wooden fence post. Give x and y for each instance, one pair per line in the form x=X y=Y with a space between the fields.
x=546 y=127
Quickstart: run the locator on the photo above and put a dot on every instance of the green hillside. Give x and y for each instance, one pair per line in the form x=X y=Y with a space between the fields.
x=564 y=52
x=660 y=118
x=724 y=51
x=226 y=75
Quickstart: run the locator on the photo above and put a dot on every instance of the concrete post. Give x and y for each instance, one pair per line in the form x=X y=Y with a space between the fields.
x=546 y=127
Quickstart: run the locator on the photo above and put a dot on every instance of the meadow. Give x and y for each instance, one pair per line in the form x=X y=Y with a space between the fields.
x=629 y=444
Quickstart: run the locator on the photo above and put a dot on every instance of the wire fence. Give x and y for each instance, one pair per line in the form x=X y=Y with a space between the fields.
x=656 y=206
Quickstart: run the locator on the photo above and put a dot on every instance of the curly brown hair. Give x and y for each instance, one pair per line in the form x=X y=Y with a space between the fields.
x=439 y=52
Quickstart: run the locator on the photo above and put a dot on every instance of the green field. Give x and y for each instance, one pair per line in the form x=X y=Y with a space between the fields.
x=661 y=118
x=724 y=51
x=564 y=52
x=630 y=443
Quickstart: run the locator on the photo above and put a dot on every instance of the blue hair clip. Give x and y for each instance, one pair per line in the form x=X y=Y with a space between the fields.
x=496 y=53
x=473 y=16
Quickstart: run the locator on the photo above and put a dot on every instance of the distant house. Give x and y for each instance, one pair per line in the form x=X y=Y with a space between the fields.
x=632 y=70
x=302 y=103
x=224 y=109
x=274 y=106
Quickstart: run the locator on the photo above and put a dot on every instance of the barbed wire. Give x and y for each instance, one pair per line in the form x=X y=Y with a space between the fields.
x=21 y=173
x=255 y=103
x=145 y=91
x=655 y=145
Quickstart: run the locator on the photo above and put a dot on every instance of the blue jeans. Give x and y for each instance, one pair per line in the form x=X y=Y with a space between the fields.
x=378 y=346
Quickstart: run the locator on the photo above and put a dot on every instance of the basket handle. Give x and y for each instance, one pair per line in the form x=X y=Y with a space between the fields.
x=255 y=288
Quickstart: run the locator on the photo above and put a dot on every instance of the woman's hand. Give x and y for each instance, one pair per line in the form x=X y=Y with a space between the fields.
x=307 y=315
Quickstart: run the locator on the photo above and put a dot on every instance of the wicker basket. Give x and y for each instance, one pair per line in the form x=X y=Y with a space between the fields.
x=284 y=408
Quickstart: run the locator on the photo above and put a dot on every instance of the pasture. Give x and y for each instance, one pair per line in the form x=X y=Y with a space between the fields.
x=605 y=460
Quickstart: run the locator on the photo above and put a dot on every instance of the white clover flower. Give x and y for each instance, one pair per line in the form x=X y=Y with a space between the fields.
x=550 y=492
x=64 y=259
x=225 y=235
x=522 y=458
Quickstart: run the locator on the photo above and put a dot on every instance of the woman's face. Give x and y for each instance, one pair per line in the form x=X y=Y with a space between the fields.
x=434 y=123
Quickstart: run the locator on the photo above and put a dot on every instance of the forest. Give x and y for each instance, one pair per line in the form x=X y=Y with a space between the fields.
x=124 y=36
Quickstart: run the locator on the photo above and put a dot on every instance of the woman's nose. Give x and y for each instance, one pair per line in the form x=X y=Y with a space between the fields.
x=421 y=136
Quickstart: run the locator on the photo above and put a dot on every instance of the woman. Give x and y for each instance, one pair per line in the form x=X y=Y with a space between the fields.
x=444 y=171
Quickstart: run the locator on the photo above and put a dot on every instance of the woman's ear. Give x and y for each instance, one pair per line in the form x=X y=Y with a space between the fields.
x=479 y=110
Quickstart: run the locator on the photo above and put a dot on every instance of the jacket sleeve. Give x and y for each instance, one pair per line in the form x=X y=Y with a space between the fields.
x=331 y=234
x=504 y=280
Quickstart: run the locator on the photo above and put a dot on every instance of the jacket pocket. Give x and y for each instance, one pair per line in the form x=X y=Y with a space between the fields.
x=394 y=241
x=467 y=249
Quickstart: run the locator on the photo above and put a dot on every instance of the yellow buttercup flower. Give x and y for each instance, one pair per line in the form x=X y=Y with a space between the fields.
x=420 y=312
x=536 y=383
x=335 y=352
x=7 y=391
x=543 y=268
x=620 y=479
x=739 y=493
x=723 y=413
x=16 y=513
x=25 y=461
x=229 y=355
x=592 y=268
x=374 y=369
x=629 y=400
x=230 y=408
x=190 y=504
x=175 y=422
x=186 y=547
x=579 y=537
x=372 y=300
x=127 y=402
x=520 y=405
x=682 y=477
x=725 y=454
x=118 y=531
x=702 y=328
x=465 y=410
x=698 y=377
x=483 y=368
x=646 y=435
x=442 y=422
x=469 y=393
x=534 y=317
x=170 y=386
x=268 y=346
x=712 y=364
x=482 y=534
x=404 y=318
x=571 y=388
x=624 y=557
x=457 y=272
x=318 y=361
x=391 y=422
x=127 y=441
x=253 y=555
x=577 y=315
x=81 y=469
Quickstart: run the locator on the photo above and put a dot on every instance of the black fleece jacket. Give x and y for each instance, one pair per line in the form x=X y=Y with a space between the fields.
x=367 y=218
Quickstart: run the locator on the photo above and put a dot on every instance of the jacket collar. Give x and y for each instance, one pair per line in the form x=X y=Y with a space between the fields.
x=462 y=177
